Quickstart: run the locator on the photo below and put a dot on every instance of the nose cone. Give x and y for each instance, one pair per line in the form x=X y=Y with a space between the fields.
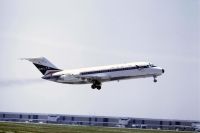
x=163 y=70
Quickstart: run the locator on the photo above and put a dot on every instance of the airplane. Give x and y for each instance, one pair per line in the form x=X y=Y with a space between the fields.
x=96 y=75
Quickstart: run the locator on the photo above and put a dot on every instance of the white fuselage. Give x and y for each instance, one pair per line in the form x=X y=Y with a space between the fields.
x=95 y=75
x=106 y=73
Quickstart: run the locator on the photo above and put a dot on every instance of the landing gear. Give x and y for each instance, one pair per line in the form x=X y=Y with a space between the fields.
x=98 y=87
x=93 y=86
x=154 y=79
x=96 y=84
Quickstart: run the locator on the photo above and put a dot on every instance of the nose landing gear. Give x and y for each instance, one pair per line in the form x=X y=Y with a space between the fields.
x=154 y=79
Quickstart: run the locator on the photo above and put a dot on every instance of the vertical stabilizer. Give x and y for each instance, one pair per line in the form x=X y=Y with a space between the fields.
x=42 y=64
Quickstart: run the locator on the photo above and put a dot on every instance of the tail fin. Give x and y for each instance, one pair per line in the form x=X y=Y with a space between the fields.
x=43 y=65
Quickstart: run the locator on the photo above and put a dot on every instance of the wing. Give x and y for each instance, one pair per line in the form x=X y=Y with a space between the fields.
x=91 y=78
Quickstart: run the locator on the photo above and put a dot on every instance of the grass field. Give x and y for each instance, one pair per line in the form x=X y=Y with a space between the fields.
x=47 y=128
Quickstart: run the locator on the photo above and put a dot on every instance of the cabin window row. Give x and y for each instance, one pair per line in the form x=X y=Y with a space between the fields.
x=113 y=70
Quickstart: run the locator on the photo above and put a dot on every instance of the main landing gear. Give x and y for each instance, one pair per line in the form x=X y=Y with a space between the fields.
x=154 y=79
x=96 y=84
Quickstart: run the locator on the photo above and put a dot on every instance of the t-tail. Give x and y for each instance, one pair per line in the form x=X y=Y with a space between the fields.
x=43 y=65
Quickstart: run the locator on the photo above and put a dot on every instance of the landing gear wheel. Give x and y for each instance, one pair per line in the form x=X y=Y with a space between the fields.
x=93 y=86
x=98 y=87
x=96 y=84
x=154 y=79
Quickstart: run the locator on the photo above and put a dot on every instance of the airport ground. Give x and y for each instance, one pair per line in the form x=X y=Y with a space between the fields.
x=11 y=127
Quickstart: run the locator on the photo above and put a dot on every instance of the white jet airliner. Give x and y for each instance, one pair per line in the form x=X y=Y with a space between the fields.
x=96 y=75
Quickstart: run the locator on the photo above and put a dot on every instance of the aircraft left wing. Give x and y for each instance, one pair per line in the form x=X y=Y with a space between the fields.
x=91 y=78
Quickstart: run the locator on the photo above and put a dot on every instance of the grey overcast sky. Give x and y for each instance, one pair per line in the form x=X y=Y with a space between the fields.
x=84 y=33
